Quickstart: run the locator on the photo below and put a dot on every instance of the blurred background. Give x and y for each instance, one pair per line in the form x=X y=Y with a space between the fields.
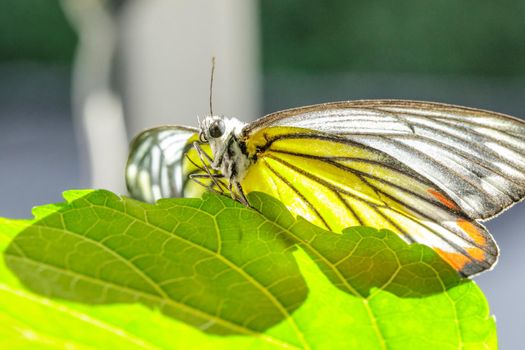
x=79 y=78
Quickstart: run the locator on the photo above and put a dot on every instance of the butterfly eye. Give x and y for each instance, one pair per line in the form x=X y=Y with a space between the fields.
x=216 y=128
x=202 y=137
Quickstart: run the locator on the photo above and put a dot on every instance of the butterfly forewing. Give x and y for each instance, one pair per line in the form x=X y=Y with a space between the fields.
x=476 y=157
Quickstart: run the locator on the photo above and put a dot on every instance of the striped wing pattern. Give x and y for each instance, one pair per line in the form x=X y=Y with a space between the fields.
x=160 y=163
x=476 y=157
x=426 y=171
x=336 y=183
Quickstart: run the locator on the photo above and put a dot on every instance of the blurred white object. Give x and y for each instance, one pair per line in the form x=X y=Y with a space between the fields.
x=99 y=119
x=106 y=142
x=168 y=46
x=163 y=51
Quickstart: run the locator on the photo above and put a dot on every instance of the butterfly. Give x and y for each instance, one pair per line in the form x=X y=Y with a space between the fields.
x=429 y=172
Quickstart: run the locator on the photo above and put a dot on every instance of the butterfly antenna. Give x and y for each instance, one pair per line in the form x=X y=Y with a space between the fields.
x=211 y=84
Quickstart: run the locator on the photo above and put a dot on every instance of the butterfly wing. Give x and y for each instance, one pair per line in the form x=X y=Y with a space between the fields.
x=476 y=157
x=426 y=171
x=161 y=161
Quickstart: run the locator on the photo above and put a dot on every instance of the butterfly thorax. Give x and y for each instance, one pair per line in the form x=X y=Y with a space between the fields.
x=235 y=161
x=228 y=152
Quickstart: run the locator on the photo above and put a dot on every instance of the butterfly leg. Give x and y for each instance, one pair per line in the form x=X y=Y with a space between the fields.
x=208 y=174
x=241 y=196
x=237 y=193
x=235 y=188
x=196 y=178
x=202 y=156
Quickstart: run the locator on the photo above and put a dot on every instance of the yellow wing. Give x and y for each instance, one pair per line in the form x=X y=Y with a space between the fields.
x=337 y=183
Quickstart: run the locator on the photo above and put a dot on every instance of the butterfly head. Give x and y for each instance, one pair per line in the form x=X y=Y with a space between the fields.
x=212 y=128
x=217 y=131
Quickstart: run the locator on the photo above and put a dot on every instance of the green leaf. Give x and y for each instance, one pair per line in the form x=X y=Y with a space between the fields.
x=112 y=272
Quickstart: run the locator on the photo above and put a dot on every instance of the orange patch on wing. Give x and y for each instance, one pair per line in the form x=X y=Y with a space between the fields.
x=472 y=231
x=444 y=200
x=476 y=253
x=458 y=260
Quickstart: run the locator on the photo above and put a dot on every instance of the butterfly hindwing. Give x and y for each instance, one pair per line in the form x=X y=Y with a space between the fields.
x=161 y=161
